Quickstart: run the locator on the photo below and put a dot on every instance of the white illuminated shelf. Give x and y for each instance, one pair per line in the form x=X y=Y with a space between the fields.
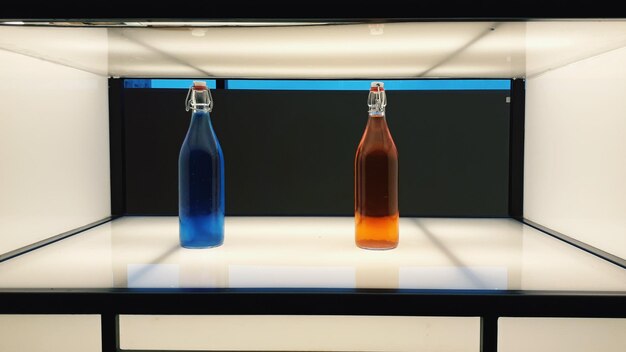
x=426 y=49
x=314 y=252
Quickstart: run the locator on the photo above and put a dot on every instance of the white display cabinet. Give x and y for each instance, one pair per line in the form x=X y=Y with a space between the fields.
x=553 y=271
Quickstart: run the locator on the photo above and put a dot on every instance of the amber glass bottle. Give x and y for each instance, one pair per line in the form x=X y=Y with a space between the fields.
x=376 y=179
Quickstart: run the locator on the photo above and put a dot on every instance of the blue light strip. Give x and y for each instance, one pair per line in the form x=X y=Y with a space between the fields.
x=417 y=84
x=166 y=83
x=423 y=84
x=180 y=83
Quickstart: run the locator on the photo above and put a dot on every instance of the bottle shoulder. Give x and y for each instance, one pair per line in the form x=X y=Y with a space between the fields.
x=371 y=147
x=201 y=139
x=374 y=139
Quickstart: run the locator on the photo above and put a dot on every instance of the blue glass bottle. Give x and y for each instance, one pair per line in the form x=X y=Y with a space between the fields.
x=201 y=176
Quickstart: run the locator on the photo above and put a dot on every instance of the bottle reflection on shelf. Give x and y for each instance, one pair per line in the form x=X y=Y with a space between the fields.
x=451 y=254
x=376 y=276
x=198 y=269
x=153 y=258
x=182 y=269
x=291 y=276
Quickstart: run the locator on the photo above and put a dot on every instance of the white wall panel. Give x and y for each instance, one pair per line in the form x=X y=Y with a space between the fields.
x=575 y=151
x=561 y=335
x=54 y=149
x=50 y=333
x=300 y=333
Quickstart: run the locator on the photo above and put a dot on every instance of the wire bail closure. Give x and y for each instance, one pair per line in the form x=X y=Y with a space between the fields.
x=377 y=99
x=191 y=103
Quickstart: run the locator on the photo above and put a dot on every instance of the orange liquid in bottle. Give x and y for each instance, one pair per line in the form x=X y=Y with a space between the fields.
x=376 y=187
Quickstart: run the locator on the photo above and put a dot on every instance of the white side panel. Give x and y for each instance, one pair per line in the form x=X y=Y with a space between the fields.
x=575 y=151
x=54 y=149
x=46 y=333
x=299 y=333
x=561 y=335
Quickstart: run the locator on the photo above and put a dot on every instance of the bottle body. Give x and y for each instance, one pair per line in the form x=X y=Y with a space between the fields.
x=376 y=182
x=201 y=185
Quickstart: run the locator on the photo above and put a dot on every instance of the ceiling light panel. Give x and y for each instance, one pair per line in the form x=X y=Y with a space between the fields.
x=401 y=49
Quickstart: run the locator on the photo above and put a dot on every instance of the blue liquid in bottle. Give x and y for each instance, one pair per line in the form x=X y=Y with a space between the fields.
x=201 y=177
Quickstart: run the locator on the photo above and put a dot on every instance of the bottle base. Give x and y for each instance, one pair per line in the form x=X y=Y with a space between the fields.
x=200 y=232
x=376 y=245
x=376 y=232
x=199 y=246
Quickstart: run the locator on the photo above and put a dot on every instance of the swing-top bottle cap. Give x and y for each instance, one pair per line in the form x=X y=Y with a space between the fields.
x=199 y=85
x=377 y=87
x=199 y=97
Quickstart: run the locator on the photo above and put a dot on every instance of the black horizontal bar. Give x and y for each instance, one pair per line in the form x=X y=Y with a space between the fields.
x=610 y=305
x=237 y=10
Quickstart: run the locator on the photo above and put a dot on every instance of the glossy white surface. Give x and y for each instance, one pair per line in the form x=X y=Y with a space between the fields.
x=46 y=333
x=575 y=157
x=387 y=50
x=292 y=252
x=85 y=49
x=54 y=148
x=299 y=333
x=401 y=50
x=561 y=335
x=550 y=45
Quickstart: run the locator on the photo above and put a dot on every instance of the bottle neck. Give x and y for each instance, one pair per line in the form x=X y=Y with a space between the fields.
x=200 y=113
x=200 y=119
x=376 y=114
